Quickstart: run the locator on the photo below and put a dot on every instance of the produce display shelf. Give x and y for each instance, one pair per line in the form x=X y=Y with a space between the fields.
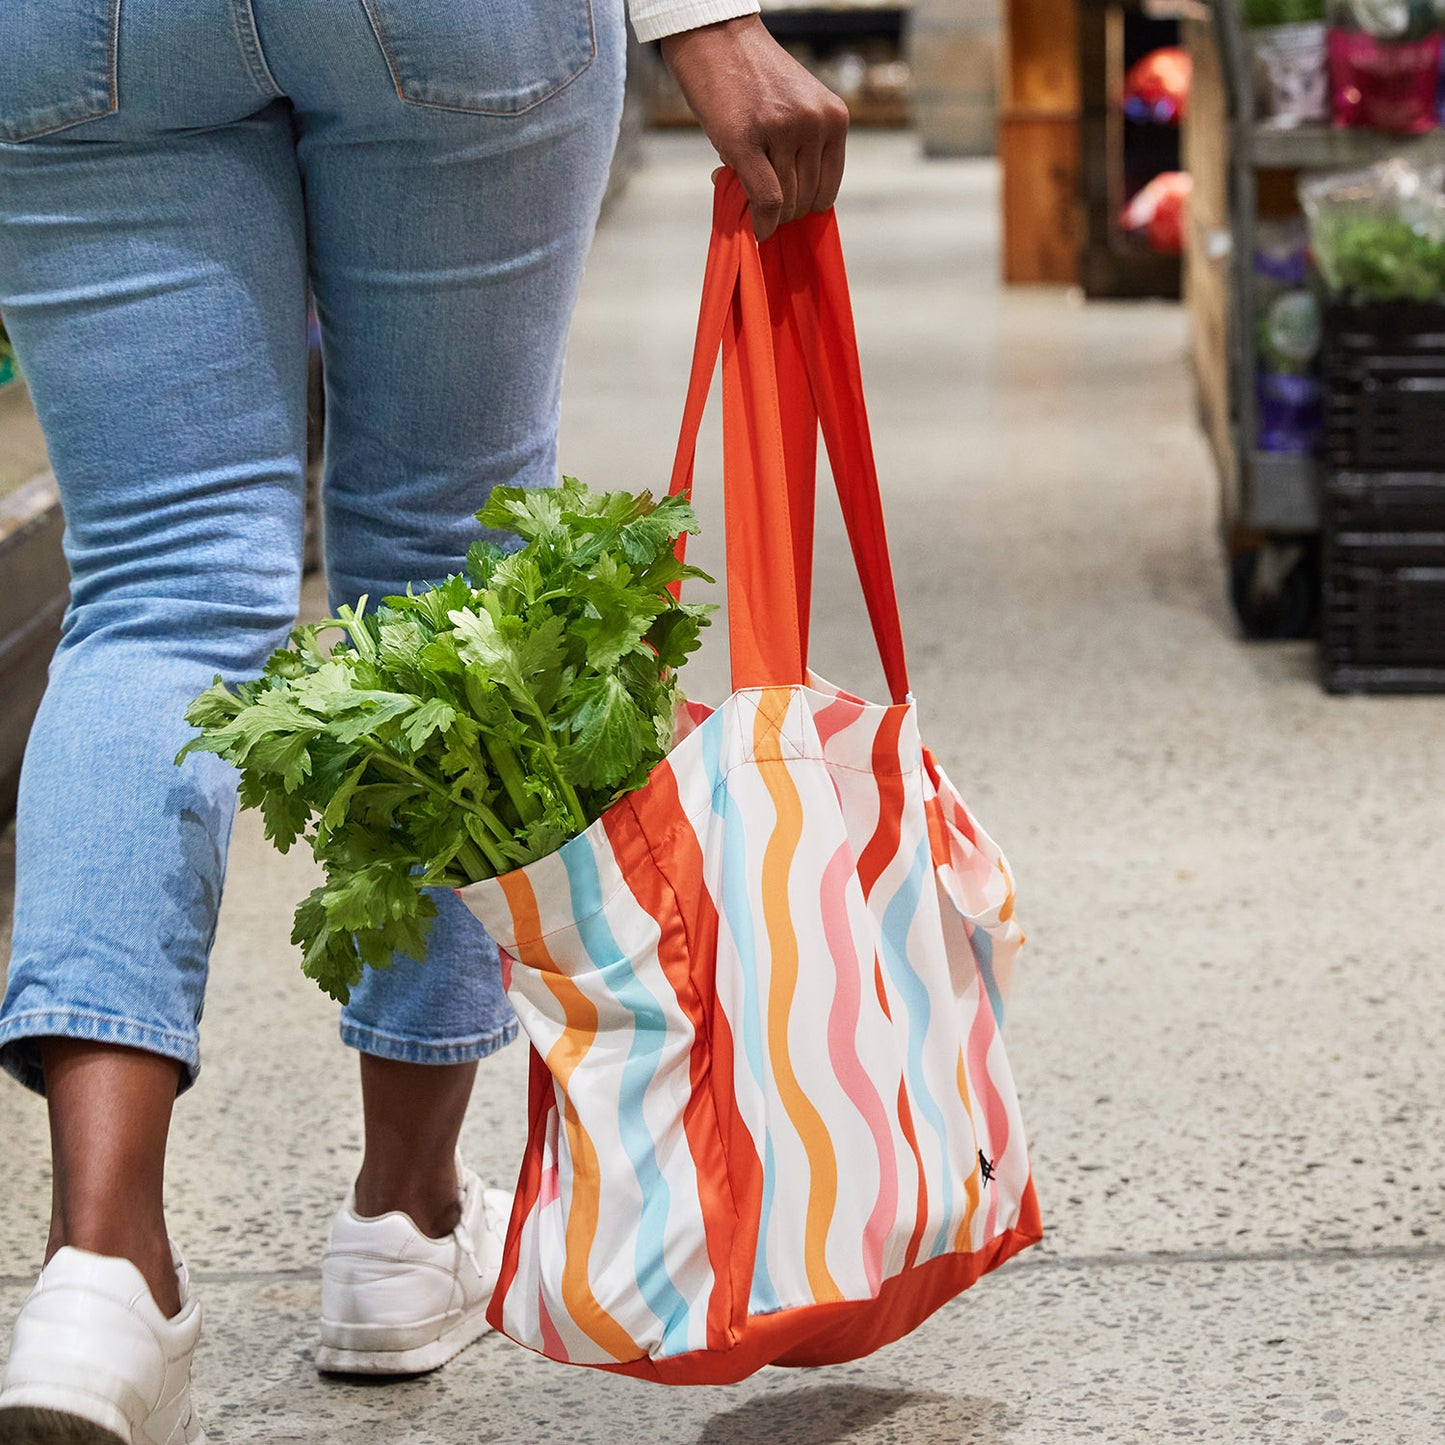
x=1286 y=492
x=1326 y=147
x=853 y=22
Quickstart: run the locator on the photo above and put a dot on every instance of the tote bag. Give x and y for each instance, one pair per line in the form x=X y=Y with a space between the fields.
x=771 y=1118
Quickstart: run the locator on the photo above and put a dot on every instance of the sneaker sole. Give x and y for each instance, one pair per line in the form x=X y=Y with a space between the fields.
x=45 y=1425
x=419 y=1360
x=49 y=1417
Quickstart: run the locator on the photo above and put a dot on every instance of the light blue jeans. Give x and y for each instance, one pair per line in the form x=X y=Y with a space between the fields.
x=174 y=176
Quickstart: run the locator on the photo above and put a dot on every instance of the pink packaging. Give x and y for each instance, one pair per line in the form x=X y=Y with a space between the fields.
x=1384 y=84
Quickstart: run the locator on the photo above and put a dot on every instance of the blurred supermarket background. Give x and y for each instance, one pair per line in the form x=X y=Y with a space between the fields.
x=1276 y=165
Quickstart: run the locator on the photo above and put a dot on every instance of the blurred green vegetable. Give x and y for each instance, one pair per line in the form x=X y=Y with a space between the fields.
x=1257 y=13
x=1379 y=259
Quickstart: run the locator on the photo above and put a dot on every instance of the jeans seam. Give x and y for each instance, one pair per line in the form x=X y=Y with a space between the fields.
x=112 y=83
x=379 y=30
x=113 y=59
x=17 y=1044
x=244 y=12
x=477 y=1045
x=156 y=1031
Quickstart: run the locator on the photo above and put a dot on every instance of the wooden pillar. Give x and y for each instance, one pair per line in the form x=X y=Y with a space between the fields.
x=1039 y=142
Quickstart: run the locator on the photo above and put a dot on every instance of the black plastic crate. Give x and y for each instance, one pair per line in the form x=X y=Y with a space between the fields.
x=1383 y=616
x=1383 y=367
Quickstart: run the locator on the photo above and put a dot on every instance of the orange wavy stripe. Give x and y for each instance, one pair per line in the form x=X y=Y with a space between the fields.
x=962 y=1237
x=584 y=1208
x=783 y=946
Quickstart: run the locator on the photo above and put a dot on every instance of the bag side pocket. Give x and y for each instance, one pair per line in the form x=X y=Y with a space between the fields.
x=57 y=65
x=486 y=57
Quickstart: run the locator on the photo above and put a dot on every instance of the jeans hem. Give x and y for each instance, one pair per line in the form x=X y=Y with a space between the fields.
x=420 y=1051
x=20 y=1035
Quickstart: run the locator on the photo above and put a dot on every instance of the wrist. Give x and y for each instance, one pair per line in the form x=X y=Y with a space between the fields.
x=739 y=27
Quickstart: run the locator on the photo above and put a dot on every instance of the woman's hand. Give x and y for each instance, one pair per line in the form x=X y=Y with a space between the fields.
x=778 y=127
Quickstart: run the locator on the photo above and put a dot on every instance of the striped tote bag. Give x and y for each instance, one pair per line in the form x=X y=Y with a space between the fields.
x=771 y=1118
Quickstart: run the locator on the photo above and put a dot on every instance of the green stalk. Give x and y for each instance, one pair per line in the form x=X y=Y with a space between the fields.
x=470 y=856
x=385 y=759
x=514 y=781
x=547 y=755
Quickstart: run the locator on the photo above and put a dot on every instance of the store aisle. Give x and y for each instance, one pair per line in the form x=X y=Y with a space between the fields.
x=1224 y=1027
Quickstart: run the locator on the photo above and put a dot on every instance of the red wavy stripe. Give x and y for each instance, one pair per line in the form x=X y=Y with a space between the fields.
x=668 y=887
x=882 y=847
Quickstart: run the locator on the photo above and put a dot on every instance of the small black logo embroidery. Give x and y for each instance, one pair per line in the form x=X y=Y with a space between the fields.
x=985 y=1167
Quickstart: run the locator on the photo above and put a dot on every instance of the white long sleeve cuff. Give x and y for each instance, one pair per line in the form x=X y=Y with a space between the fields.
x=652 y=19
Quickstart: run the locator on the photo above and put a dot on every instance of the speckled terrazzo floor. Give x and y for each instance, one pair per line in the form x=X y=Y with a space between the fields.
x=1227 y=1027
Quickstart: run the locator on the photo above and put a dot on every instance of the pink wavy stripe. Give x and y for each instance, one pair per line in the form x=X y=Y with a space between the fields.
x=986 y=1097
x=843 y=1051
x=834 y=718
x=551 y=1341
x=551 y=1187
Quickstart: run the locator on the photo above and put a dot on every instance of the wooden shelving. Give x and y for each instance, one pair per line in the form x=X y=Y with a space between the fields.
x=1039 y=143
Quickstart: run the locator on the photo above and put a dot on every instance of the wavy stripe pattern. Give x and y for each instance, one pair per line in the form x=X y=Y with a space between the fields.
x=765 y=994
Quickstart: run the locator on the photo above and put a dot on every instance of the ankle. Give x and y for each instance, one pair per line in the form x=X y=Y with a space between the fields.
x=431 y=1200
x=149 y=1251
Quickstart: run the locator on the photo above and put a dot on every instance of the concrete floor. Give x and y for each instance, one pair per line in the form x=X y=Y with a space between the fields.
x=1226 y=1026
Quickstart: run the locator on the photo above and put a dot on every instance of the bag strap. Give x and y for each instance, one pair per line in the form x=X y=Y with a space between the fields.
x=790 y=359
x=804 y=263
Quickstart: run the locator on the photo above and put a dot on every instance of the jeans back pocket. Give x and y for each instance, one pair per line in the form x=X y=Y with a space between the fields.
x=57 y=64
x=489 y=57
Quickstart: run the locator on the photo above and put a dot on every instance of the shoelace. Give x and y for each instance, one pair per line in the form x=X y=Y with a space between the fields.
x=468 y=1247
x=465 y=1242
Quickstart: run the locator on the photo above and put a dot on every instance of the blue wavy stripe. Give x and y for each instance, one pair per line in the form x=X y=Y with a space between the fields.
x=982 y=944
x=649 y=1029
x=897 y=919
x=737 y=909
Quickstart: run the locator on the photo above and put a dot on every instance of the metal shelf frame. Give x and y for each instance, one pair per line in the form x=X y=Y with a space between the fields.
x=1276 y=494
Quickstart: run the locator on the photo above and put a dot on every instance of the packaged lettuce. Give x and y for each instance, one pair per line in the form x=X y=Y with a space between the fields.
x=1379 y=234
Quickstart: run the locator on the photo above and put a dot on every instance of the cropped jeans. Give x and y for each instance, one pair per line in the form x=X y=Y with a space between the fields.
x=175 y=178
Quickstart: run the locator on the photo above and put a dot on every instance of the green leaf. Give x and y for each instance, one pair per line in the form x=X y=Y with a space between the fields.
x=340 y=801
x=377 y=710
x=611 y=733
x=506 y=651
x=532 y=513
x=215 y=707
x=482 y=559
x=286 y=816
x=431 y=717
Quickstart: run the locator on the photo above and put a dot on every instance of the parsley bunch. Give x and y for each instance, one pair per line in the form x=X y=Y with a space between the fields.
x=467 y=729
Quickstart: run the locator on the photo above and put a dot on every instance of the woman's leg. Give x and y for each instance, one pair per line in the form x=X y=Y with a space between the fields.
x=414 y=1115
x=154 y=283
x=110 y=1112
x=447 y=250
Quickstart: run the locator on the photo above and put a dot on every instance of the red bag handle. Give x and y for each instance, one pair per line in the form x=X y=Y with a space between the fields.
x=790 y=360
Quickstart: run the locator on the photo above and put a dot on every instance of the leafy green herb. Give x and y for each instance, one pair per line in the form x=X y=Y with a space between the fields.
x=467 y=729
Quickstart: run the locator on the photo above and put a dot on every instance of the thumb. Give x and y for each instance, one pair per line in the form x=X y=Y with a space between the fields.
x=764 y=189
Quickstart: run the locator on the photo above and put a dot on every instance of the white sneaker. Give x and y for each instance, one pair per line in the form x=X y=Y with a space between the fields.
x=393 y=1301
x=93 y=1360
